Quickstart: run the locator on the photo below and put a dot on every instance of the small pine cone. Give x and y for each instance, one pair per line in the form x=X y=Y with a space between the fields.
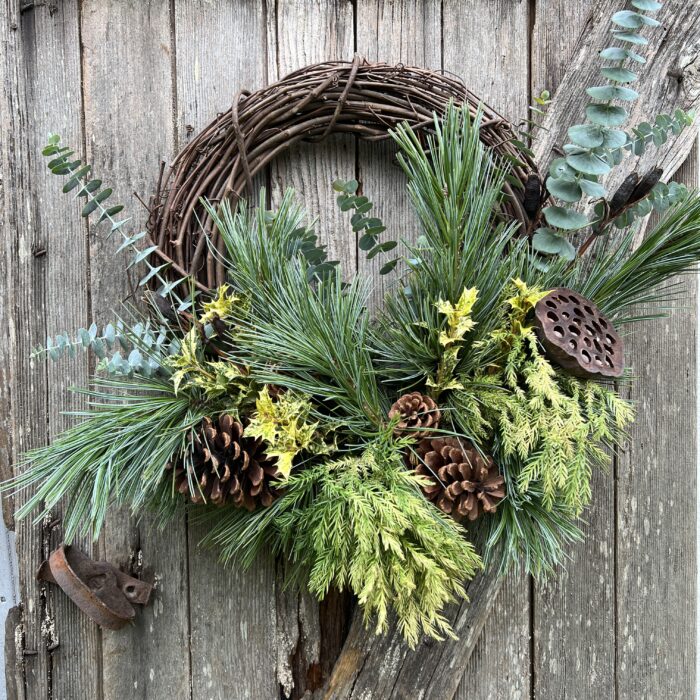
x=418 y=415
x=227 y=468
x=463 y=483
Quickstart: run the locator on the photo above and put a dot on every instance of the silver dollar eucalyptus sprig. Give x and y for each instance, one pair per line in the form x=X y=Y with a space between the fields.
x=599 y=144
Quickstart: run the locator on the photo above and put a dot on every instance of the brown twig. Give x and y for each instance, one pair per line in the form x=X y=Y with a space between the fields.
x=359 y=98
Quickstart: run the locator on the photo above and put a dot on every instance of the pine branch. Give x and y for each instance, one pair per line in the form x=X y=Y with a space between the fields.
x=118 y=453
x=624 y=278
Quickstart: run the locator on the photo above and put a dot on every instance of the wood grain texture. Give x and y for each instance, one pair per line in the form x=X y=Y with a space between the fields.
x=47 y=67
x=574 y=634
x=408 y=32
x=482 y=44
x=669 y=79
x=52 y=56
x=656 y=590
x=486 y=44
x=233 y=616
x=128 y=128
x=19 y=280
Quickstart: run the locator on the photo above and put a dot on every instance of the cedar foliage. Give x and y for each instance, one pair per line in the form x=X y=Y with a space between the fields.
x=367 y=527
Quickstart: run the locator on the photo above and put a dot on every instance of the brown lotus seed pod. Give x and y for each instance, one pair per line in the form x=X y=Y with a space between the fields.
x=577 y=336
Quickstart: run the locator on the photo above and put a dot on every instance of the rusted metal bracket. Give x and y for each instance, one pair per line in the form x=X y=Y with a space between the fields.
x=103 y=592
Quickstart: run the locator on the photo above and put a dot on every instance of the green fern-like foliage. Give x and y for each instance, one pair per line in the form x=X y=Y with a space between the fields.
x=551 y=424
x=366 y=527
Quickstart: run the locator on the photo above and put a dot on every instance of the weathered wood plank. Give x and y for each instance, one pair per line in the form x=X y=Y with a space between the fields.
x=300 y=33
x=499 y=666
x=17 y=268
x=575 y=635
x=14 y=660
x=656 y=499
x=129 y=127
x=487 y=46
x=220 y=50
x=668 y=80
x=574 y=638
x=47 y=66
x=52 y=57
x=407 y=32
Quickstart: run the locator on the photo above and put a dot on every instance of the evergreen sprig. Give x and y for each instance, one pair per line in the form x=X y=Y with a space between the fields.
x=297 y=330
x=360 y=523
x=454 y=186
x=146 y=347
x=118 y=453
x=368 y=226
x=626 y=279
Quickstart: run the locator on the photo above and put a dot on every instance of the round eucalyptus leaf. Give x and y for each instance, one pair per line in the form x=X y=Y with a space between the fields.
x=566 y=190
x=592 y=188
x=614 y=138
x=606 y=115
x=628 y=19
x=647 y=5
x=619 y=75
x=631 y=38
x=588 y=163
x=614 y=53
x=565 y=219
x=587 y=135
x=548 y=242
x=561 y=170
x=612 y=92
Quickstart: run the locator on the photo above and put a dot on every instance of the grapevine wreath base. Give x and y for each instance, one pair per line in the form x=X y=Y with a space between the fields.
x=359 y=98
x=390 y=456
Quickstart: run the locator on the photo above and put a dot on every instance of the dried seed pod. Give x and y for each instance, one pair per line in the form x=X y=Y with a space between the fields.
x=623 y=193
x=532 y=197
x=577 y=336
x=645 y=185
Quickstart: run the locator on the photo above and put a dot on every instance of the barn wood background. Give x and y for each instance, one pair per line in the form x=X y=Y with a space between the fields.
x=128 y=82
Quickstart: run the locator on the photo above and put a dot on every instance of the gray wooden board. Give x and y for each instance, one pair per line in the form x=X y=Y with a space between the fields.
x=220 y=50
x=656 y=488
x=127 y=97
x=573 y=615
x=130 y=81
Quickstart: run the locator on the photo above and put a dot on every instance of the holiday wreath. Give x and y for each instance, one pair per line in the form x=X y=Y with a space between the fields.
x=389 y=455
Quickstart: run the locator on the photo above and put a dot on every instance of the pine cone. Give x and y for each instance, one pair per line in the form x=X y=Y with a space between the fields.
x=227 y=467
x=417 y=412
x=463 y=483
